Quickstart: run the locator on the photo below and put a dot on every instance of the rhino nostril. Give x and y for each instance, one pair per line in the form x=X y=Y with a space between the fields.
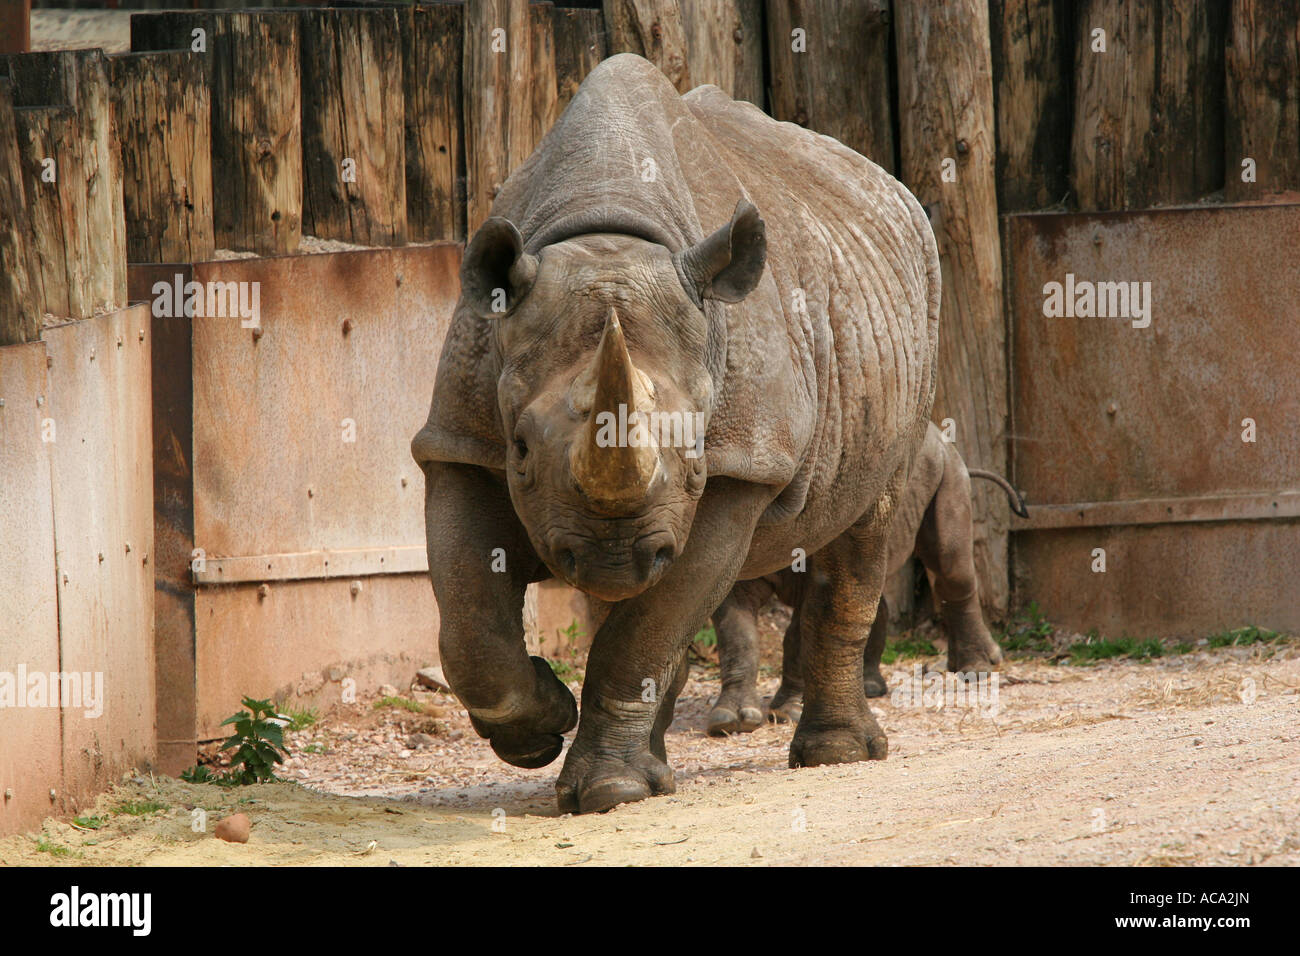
x=568 y=562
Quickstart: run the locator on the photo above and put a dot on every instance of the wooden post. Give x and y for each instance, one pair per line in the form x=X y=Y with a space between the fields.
x=653 y=29
x=945 y=106
x=724 y=45
x=1148 y=109
x=253 y=67
x=73 y=181
x=579 y=46
x=498 y=99
x=163 y=114
x=829 y=64
x=19 y=315
x=542 y=76
x=1032 y=58
x=432 y=50
x=354 y=165
x=1262 y=115
x=15 y=26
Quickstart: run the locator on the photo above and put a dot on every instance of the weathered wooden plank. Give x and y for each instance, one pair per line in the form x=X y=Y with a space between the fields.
x=163 y=113
x=432 y=50
x=945 y=106
x=354 y=166
x=580 y=44
x=497 y=98
x=19 y=313
x=73 y=181
x=1032 y=58
x=15 y=26
x=1148 y=108
x=724 y=43
x=1262 y=111
x=829 y=65
x=654 y=29
x=253 y=64
x=543 y=75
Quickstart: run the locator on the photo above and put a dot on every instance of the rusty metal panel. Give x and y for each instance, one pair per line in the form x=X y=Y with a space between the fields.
x=1128 y=434
x=302 y=435
x=300 y=456
x=1172 y=580
x=30 y=759
x=101 y=463
x=303 y=638
x=1103 y=411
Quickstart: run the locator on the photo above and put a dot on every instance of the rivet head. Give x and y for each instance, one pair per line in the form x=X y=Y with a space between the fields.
x=347 y=326
x=92 y=355
x=257 y=333
x=101 y=557
x=128 y=547
x=53 y=794
x=403 y=481
x=355 y=588
x=9 y=793
x=119 y=341
x=262 y=591
x=142 y=335
x=1112 y=408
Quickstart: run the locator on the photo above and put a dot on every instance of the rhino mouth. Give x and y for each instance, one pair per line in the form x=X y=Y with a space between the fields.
x=613 y=569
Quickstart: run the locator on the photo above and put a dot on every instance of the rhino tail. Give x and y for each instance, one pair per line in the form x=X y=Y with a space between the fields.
x=1014 y=498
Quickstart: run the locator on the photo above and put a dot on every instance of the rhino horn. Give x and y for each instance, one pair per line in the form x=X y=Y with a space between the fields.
x=615 y=477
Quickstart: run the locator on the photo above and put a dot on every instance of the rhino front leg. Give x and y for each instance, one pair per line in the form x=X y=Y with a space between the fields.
x=737 y=709
x=637 y=656
x=839 y=607
x=515 y=701
x=945 y=545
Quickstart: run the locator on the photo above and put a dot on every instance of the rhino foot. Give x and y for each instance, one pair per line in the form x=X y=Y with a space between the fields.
x=970 y=645
x=733 y=715
x=786 y=706
x=532 y=737
x=818 y=742
x=873 y=683
x=595 y=785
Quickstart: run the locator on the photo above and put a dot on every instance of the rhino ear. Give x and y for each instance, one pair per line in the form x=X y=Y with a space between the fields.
x=728 y=264
x=496 y=272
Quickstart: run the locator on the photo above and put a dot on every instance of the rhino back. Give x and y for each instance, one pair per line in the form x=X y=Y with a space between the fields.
x=855 y=271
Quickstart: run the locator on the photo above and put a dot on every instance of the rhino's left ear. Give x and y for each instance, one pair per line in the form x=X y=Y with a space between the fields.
x=496 y=272
x=728 y=264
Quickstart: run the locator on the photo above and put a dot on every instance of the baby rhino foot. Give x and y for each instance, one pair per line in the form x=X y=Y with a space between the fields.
x=786 y=706
x=732 y=715
x=601 y=782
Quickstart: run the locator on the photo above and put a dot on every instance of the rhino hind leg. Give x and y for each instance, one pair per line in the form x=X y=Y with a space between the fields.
x=840 y=604
x=945 y=546
x=787 y=703
x=873 y=681
x=737 y=709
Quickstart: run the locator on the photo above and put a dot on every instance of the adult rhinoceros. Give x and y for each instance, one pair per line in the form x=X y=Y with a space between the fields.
x=803 y=344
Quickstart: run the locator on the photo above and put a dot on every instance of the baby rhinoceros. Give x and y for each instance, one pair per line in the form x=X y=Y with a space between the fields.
x=690 y=340
x=931 y=522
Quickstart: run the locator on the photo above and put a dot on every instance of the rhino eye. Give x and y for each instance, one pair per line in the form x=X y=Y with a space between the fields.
x=521 y=448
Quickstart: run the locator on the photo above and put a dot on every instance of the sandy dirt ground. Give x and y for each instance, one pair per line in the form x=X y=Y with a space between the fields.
x=1186 y=760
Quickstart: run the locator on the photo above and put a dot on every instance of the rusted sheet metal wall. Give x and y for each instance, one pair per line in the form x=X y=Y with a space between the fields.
x=285 y=460
x=103 y=518
x=30 y=757
x=1130 y=438
x=76 y=532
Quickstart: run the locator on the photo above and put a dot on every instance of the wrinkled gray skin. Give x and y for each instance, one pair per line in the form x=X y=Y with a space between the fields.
x=766 y=277
x=933 y=523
